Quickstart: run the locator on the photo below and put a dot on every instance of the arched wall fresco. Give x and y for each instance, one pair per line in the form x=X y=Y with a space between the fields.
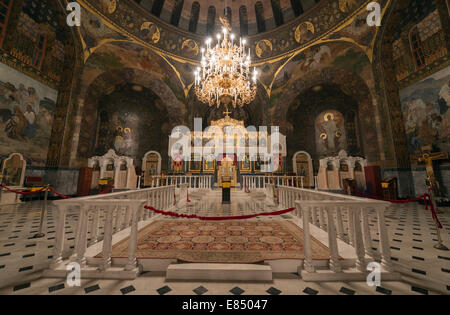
x=352 y=85
x=117 y=63
x=105 y=84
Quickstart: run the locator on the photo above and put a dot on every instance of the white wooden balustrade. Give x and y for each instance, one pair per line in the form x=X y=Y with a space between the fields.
x=193 y=181
x=261 y=181
x=110 y=213
x=344 y=218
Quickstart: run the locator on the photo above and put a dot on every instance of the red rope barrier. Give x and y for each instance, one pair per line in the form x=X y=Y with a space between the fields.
x=58 y=194
x=425 y=197
x=245 y=186
x=187 y=195
x=194 y=216
x=23 y=192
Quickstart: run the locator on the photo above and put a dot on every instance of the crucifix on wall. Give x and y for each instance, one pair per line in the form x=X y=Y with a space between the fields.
x=427 y=157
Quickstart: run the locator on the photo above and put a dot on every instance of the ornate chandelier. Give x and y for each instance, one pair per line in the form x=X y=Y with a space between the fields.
x=224 y=76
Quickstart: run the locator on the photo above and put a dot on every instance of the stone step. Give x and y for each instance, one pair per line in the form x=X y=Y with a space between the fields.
x=205 y=271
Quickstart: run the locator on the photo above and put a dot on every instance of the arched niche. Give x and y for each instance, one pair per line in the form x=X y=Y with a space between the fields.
x=13 y=170
x=303 y=166
x=151 y=166
x=106 y=84
x=350 y=84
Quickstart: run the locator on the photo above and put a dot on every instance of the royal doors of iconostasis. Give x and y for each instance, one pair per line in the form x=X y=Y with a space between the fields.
x=227 y=168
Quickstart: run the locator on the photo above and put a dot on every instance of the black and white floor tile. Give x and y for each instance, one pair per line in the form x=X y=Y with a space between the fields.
x=22 y=258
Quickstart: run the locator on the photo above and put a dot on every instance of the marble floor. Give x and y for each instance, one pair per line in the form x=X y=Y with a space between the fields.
x=22 y=257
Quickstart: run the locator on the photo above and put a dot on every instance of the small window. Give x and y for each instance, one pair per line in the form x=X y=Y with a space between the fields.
x=297 y=7
x=193 y=21
x=243 y=20
x=211 y=21
x=277 y=12
x=260 y=21
x=176 y=12
x=5 y=9
x=417 y=48
x=228 y=14
x=157 y=7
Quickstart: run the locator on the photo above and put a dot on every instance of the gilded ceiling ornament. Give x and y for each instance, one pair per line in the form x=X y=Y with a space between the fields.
x=151 y=32
x=263 y=48
x=347 y=5
x=191 y=46
x=304 y=31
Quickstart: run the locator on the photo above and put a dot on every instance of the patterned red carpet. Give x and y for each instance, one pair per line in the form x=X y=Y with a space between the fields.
x=225 y=241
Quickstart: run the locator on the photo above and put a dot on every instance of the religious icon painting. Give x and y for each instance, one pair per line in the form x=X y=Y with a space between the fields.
x=209 y=164
x=245 y=165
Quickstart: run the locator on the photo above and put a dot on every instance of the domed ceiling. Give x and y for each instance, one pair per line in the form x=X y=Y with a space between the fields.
x=247 y=17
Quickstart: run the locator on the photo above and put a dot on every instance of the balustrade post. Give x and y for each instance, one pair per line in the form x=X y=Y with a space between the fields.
x=107 y=240
x=116 y=219
x=384 y=239
x=60 y=236
x=158 y=198
x=81 y=243
x=351 y=227
x=308 y=262
x=340 y=223
x=314 y=215
x=367 y=237
x=147 y=203
x=165 y=199
x=132 y=244
x=358 y=239
x=332 y=242
x=94 y=226
x=321 y=218
x=127 y=217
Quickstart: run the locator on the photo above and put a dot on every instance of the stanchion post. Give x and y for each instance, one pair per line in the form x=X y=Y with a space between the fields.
x=433 y=202
x=43 y=214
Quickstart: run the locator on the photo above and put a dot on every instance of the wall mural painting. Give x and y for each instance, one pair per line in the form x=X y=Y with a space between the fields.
x=330 y=132
x=26 y=109
x=94 y=32
x=128 y=55
x=340 y=55
x=426 y=112
x=132 y=121
x=419 y=41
